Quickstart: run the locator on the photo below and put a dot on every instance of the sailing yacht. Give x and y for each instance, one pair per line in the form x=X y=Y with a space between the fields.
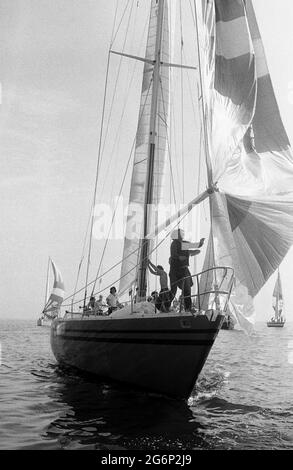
x=249 y=176
x=278 y=320
x=55 y=299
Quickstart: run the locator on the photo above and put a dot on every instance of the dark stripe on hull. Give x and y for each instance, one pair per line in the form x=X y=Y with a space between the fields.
x=145 y=332
x=159 y=341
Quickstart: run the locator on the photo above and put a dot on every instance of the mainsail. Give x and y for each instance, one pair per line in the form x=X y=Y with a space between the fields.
x=57 y=295
x=134 y=227
x=251 y=159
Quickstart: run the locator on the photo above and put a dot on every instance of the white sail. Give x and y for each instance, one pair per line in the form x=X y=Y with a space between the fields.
x=57 y=295
x=139 y=174
x=278 y=295
x=251 y=160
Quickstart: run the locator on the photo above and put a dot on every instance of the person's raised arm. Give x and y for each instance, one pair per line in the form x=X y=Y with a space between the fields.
x=202 y=240
x=194 y=252
x=152 y=268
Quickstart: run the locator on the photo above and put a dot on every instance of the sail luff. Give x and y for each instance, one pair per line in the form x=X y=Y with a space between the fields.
x=208 y=17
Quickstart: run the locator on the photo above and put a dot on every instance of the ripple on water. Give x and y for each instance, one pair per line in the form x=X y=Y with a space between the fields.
x=242 y=400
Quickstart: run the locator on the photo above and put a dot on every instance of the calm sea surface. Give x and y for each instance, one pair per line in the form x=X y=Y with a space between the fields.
x=243 y=399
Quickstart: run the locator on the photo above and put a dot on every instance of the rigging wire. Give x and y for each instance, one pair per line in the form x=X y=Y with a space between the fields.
x=173 y=128
x=103 y=114
x=172 y=184
x=89 y=219
x=130 y=82
x=123 y=181
x=207 y=153
x=117 y=76
x=98 y=166
x=205 y=134
x=118 y=134
x=182 y=101
x=82 y=255
x=114 y=22
x=121 y=20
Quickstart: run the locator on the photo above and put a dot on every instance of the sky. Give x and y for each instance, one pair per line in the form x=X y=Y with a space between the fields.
x=53 y=56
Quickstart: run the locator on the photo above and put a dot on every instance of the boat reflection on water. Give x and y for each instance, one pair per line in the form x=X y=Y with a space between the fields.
x=98 y=415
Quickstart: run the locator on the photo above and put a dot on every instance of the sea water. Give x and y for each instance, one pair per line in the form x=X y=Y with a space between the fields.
x=243 y=398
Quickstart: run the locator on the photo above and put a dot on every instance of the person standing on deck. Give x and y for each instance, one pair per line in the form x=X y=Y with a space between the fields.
x=164 y=300
x=179 y=266
x=91 y=304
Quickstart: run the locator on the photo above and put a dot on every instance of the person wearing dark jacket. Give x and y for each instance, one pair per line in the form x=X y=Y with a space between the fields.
x=179 y=265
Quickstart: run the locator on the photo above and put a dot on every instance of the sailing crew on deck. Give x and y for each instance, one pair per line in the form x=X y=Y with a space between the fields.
x=99 y=305
x=163 y=302
x=154 y=296
x=179 y=265
x=113 y=301
x=91 y=304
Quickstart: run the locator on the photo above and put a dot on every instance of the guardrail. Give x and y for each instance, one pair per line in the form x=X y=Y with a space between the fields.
x=213 y=290
x=214 y=286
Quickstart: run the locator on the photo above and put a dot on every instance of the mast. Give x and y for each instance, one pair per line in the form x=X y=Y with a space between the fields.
x=145 y=245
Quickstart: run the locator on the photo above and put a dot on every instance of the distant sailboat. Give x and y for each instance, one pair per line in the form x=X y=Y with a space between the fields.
x=54 y=301
x=249 y=167
x=278 y=320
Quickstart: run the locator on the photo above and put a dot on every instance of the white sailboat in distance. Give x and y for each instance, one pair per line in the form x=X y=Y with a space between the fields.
x=55 y=299
x=278 y=320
